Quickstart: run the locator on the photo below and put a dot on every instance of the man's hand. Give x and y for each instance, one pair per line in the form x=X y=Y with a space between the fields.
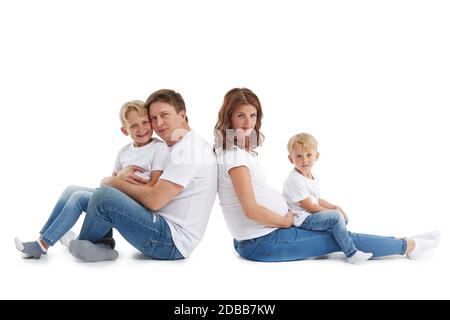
x=108 y=181
x=128 y=175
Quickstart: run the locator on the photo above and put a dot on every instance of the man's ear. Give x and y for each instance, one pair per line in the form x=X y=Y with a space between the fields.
x=124 y=131
x=290 y=159
x=183 y=114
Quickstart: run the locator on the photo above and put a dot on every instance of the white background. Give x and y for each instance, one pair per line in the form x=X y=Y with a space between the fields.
x=370 y=79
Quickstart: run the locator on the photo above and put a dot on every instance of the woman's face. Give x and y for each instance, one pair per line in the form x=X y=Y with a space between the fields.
x=244 y=118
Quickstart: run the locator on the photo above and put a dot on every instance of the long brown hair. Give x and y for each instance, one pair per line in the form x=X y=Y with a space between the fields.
x=233 y=99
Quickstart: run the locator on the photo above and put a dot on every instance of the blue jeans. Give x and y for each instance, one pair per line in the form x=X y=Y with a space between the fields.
x=143 y=229
x=297 y=244
x=335 y=223
x=72 y=202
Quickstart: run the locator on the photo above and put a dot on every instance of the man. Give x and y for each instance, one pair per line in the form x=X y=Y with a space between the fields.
x=168 y=220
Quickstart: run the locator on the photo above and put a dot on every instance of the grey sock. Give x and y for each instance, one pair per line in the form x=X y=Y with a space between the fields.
x=92 y=252
x=30 y=249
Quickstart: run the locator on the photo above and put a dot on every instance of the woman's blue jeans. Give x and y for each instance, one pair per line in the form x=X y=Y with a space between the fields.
x=143 y=229
x=297 y=244
x=70 y=205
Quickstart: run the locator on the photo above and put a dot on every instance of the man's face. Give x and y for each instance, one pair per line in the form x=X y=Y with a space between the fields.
x=165 y=120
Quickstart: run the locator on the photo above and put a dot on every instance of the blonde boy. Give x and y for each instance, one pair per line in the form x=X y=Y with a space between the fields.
x=145 y=152
x=311 y=212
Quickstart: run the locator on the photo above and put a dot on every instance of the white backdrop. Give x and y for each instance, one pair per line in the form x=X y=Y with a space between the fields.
x=369 y=79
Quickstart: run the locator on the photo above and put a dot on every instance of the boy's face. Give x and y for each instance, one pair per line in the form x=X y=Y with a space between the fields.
x=139 y=128
x=303 y=159
x=165 y=120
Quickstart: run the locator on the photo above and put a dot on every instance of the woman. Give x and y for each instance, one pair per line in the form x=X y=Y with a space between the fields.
x=258 y=216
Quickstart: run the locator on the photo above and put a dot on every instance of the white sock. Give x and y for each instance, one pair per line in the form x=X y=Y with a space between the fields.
x=41 y=245
x=422 y=246
x=69 y=236
x=431 y=235
x=359 y=257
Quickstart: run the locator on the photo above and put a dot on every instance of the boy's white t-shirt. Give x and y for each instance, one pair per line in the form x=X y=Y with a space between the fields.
x=192 y=165
x=241 y=227
x=150 y=157
x=298 y=188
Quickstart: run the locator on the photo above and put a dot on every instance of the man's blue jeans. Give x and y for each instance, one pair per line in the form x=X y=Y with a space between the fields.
x=297 y=244
x=143 y=229
x=335 y=223
x=70 y=205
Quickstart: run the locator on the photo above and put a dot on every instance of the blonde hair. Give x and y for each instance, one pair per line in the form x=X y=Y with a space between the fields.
x=306 y=140
x=136 y=105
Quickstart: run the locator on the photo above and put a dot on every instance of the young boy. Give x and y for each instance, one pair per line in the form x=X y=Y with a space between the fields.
x=145 y=152
x=311 y=212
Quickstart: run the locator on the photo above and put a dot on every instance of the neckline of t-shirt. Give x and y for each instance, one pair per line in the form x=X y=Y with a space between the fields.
x=306 y=178
x=154 y=141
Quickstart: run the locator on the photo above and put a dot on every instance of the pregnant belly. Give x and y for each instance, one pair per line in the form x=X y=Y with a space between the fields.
x=271 y=199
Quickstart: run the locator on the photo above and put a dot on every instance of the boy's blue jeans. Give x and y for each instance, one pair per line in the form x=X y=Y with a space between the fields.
x=335 y=223
x=297 y=244
x=143 y=229
x=72 y=202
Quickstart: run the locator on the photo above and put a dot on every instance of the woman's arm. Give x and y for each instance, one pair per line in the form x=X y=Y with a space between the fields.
x=242 y=184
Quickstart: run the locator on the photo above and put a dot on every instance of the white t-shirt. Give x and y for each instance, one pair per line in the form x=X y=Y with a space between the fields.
x=193 y=166
x=150 y=157
x=241 y=227
x=298 y=188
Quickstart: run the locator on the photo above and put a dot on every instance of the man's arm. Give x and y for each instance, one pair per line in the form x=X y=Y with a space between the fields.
x=327 y=205
x=154 y=177
x=153 y=198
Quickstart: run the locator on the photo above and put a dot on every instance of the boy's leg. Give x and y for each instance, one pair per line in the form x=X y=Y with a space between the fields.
x=333 y=222
x=74 y=205
x=109 y=208
x=61 y=203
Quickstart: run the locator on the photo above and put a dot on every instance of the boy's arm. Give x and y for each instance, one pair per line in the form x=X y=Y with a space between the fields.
x=311 y=207
x=153 y=198
x=154 y=177
x=327 y=205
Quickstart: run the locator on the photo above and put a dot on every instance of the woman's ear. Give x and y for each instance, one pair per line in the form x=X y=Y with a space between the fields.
x=124 y=131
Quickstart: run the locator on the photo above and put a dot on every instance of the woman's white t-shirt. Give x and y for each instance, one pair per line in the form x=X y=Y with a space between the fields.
x=241 y=227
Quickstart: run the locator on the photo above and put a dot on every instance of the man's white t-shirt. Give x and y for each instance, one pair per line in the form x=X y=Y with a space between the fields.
x=241 y=227
x=192 y=165
x=298 y=188
x=150 y=157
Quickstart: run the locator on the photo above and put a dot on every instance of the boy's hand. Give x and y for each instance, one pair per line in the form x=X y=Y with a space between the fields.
x=108 y=181
x=128 y=175
x=344 y=215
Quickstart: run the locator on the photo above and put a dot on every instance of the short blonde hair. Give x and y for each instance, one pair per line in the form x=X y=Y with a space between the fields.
x=136 y=105
x=306 y=140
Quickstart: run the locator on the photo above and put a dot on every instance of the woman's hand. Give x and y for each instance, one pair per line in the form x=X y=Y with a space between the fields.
x=128 y=175
x=289 y=219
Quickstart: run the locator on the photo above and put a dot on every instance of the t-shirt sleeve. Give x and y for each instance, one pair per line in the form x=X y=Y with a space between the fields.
x=234 y=158
x=297 y=190
x=118 y=164
x=159 y=159
x=180 y=173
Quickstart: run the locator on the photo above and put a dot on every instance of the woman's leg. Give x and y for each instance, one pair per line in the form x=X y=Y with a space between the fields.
x=62 y=222
x=333 y=222
x=60 y=204
x=297 y=244
x=143 y=229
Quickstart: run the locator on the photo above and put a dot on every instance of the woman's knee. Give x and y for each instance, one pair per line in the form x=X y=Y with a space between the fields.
x=336 y=217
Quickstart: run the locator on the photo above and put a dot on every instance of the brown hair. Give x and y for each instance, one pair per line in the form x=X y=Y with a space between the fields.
x=168 y=96
x=233 y=99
